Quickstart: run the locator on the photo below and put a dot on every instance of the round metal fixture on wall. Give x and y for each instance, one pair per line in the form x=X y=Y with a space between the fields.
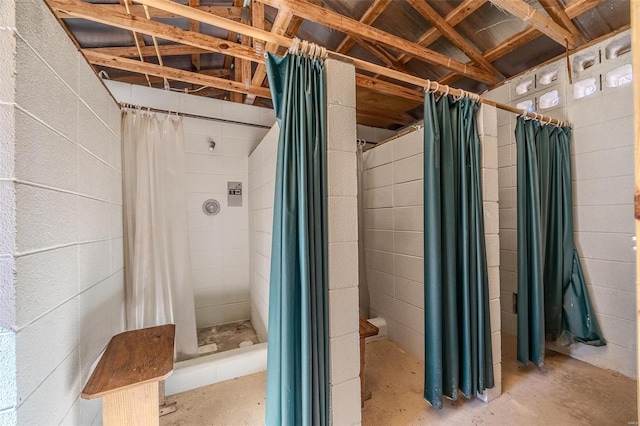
x=211 y=207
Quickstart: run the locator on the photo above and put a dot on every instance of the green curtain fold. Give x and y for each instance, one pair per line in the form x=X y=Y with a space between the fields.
x=457 y=324
x=553 y=303
x=298 y=355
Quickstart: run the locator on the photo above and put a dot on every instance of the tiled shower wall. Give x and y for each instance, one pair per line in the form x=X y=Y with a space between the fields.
x=393 y=237
x=602 y=162
x=262 y=175
x=62 y=292
x=220 y=243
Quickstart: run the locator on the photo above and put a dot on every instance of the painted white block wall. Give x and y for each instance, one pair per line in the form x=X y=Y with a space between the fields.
x=67 y=272
x=262 y=175
x=394 y=236
x=602 y=162
x=220 y=243
x=342 y=209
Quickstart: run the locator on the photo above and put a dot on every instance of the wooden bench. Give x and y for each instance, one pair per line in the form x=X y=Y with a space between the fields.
x=366 y=330
x=128 y=373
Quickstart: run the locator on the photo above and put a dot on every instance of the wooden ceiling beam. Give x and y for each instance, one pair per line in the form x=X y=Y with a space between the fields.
x=242 y=67
x=196 y=41
x=165 y=50
x=453 y=18
x=387 y=88
x=453 y=36
x=136 y=9
x=522 y=10
x=401 y=118
x=355 y=28
x=559 y=16
x=369 y=16
x=105 y=16
x=132 y=65
x=578 y=7
x=280 y=25
x=283 y=41
x=386 y=57
x=140 y=79
x=522 y=38
x=195 y=27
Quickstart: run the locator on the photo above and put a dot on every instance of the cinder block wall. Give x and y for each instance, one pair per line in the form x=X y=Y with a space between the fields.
x=394 y=235
x=603 y=179
x=63 y=271
x=343 y=243
x=262 y=185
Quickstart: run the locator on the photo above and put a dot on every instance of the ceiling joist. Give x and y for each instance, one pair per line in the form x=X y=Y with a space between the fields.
x=453 y=18
x=132 y=65
x=355 y=28
x=280 y=25
x=560 y=17
x=522 y=38
x=522 y=10
x=145 y=26
x=453 y=36
x=136 y=9
x=367 y=18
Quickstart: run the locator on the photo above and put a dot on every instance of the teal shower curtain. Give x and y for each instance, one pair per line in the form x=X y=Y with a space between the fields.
x=457 y=326
x=553 y=302
x=298 y=356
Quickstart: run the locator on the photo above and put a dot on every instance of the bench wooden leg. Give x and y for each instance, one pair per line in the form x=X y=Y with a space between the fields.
x=137 y=405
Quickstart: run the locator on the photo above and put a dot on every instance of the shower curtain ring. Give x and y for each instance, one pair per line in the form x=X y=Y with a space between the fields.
x=427 y=88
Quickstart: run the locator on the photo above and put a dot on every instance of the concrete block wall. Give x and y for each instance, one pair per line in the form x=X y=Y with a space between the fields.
x=220 y=243
x=62 y=255
x=488 y=132
x=262 y=175
x=343 y=244
x=602 y=163
x=394 y=235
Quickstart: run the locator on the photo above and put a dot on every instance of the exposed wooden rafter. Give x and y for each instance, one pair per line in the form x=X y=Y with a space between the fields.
x=367 y=18
x=132 y=65
x=453 y=36
x=197 y=41
x=145 y=26
x=355 y=28
x=195 y=27
x=522 y=10
x=248 y=35
x=578 y=7
x=522 y=38
x=560 y=17
x=140 y=79
x=280 y=25
x=137 y=10
x=453 y=18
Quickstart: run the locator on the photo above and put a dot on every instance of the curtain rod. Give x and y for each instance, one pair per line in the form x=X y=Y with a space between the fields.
x=187 y=115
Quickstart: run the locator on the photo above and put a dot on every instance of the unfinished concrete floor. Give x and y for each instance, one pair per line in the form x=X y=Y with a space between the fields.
x=225 y=337
x=564 y=392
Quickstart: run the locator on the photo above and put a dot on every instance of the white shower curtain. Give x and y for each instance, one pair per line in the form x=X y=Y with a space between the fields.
x=156 y=239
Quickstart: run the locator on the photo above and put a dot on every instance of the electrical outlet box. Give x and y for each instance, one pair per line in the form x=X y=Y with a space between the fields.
x=234 y=194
